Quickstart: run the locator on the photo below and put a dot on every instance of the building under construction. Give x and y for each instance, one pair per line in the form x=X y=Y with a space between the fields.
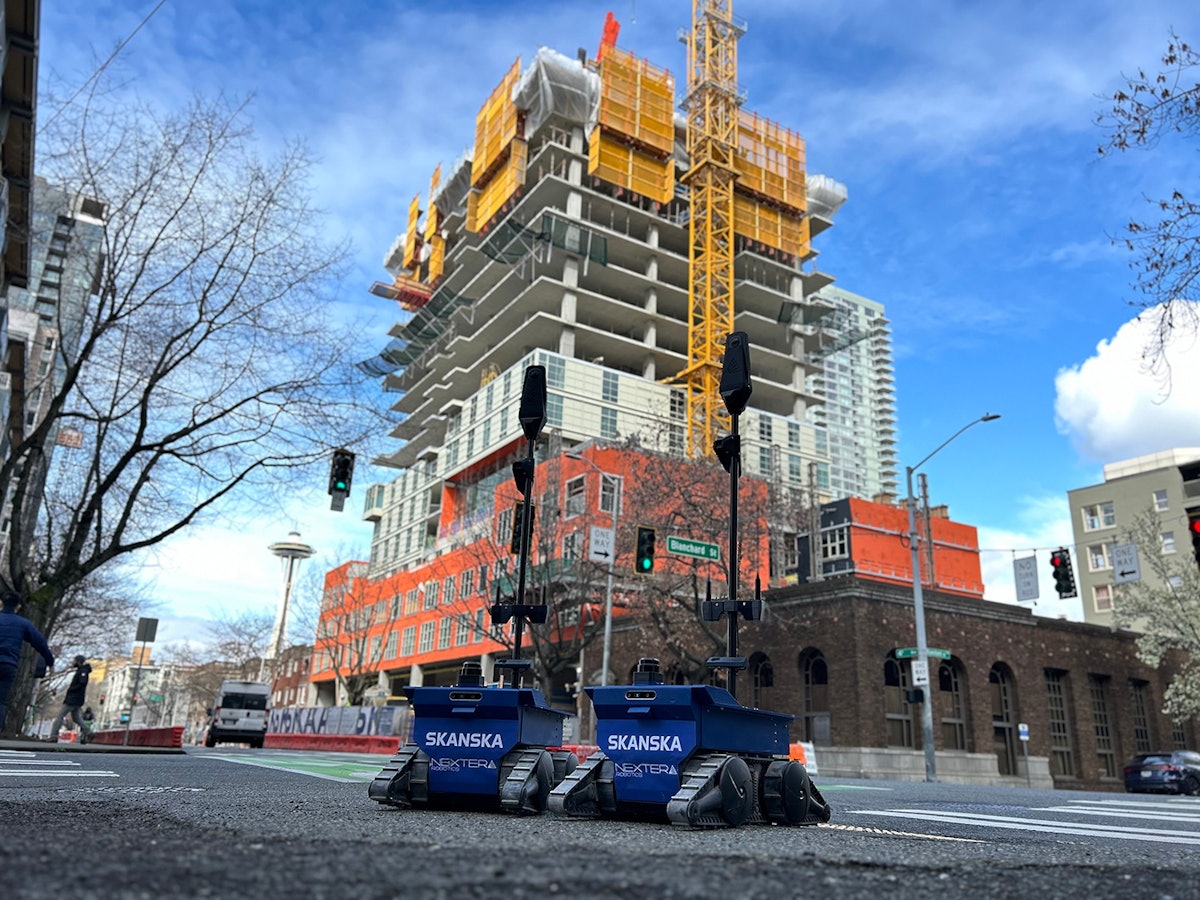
x=563 y=239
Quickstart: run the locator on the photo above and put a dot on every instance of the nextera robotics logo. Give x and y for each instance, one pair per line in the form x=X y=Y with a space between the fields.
x=458 y=765
x=463 y=739
x=639 y=770
x=659 y=742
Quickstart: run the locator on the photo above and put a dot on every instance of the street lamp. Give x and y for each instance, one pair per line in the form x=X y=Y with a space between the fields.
x=919 y=603
x=608 y=593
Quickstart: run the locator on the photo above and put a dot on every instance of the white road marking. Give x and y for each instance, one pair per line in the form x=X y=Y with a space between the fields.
x=57 y=773
x=1054 y=826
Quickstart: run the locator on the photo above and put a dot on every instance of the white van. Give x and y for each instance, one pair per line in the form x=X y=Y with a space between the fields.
x=240 y=714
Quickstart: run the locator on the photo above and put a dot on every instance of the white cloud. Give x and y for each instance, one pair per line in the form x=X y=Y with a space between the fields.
x=1114 y=405
x=1044 y=525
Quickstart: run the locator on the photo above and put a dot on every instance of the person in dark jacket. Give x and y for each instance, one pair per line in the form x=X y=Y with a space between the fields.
x=76 y=694
x=16 y=630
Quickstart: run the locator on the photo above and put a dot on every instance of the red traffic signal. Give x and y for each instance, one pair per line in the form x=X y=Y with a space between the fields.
x=1064 y=575
x=1194 y=531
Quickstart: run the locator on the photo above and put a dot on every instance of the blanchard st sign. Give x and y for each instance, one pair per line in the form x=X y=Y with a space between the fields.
x=696 y=549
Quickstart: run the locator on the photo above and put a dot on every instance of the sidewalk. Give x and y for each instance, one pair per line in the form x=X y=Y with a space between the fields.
x=34 y=745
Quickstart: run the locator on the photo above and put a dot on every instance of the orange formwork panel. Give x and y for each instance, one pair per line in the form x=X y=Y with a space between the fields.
x=770 y=161
x=432 y=218
x=486 y=200
x=497 y=124
x=766 y=224
x=626 y=166
x=437 y=257
x=637 y=101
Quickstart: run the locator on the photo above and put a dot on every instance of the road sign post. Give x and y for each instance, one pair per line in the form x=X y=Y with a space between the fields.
x=1023 y=734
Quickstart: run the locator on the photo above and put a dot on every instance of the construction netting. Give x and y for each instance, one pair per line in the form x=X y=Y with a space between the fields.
x=557 y=85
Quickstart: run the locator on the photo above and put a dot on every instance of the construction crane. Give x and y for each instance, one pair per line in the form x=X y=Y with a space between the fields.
x=711 y=107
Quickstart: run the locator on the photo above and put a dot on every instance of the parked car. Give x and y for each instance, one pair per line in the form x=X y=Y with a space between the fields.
x=1174 y=772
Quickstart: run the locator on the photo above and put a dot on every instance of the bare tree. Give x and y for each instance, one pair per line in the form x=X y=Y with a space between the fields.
x=1166 y=250
x=1165 y=609
x=207 y=369
x=347 y=635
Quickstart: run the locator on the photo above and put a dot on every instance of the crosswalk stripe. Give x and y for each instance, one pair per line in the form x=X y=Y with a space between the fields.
x=1043 y=825
x=58 y=773
x=38 y=762
x=1123 y=813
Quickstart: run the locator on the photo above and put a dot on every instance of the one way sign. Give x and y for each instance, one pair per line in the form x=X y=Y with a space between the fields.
x=1125 y=563
x=600 y=545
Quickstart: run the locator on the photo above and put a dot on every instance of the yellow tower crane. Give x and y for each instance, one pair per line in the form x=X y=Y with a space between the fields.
x=711 y=107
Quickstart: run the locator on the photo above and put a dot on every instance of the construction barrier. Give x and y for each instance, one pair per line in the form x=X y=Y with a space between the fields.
x=142 y=737
x=343 y=743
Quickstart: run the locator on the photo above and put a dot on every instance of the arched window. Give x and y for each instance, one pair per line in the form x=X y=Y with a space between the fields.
x=814 y=698
x=897 y=710
x=1004 y=712
x=762 y=677
x=953 y=705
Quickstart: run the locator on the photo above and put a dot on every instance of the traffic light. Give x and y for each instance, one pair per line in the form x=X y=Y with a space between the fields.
x=514 y=544
x=341 y=473
x=101 y=699
x=644 y=561
x=1064 y=576
x=1194 y=531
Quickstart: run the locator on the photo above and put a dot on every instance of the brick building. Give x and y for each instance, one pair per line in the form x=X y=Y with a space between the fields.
x=826 y=653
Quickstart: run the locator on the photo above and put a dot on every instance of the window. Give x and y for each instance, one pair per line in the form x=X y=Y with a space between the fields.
x=1099 y=515
x=426 y=637
x=952 y=703
x=408 y=640
x=444 y=629
x=1106 y=742
x=764 y=461
x=572 y=546
x=412 y=601
x=480 y=630
x=608 y=423
x=1160 y=501
x=608 y=391
x=466 y=583
x=431 y=594
x=897 y=709
x=396 y=604
x=448 y=590
x=556 y=371
x=1168 y=541
x=1102 y=597
x=554 y=410
x=835 y=543
x=463 y=634
x=1139 y=695
x=373 y=653
x=765 y=433
x=576 y=497
x=609 y=488
x=793 y=435
x=1098 y=557
x=795 y=469
x=1062 y=752
x=483 y=579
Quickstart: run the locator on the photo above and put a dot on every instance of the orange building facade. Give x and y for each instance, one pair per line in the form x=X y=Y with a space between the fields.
x=870 y=540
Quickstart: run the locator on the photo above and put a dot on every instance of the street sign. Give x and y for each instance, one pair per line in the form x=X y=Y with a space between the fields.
x=931 y=652
x=698 y=549
x=600 y=544
x=1025 y=578
x=1023 y=731
x=1125 y=563
x=920 y=673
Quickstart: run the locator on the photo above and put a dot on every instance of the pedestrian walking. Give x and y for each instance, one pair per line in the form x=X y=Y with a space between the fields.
x=16 y=630
x=76 y=694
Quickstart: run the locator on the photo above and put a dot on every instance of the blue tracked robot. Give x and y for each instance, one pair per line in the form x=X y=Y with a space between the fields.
x=691 y=754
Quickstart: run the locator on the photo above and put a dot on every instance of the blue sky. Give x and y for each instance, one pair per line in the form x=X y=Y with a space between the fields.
x=979 y=213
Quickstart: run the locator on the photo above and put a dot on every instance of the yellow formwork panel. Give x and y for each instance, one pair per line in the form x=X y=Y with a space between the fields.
x=486 y=201
x=626 y=166
x=769 y=225
x=437 y=257
x=495 y=127
x=770 y=161
x=412 y=242
x=432 y=218
x=637 y=100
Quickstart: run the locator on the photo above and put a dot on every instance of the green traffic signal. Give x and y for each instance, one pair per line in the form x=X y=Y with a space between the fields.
x=645 y=549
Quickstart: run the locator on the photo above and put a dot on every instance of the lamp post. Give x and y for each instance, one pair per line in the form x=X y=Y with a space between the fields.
x=290 y=553
x=608 y=592
x=919 y=602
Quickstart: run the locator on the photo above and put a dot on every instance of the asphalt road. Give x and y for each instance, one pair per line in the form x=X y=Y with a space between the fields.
x=236 y=823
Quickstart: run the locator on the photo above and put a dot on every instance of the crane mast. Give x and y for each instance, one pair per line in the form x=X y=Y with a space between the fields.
x=711 y=108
